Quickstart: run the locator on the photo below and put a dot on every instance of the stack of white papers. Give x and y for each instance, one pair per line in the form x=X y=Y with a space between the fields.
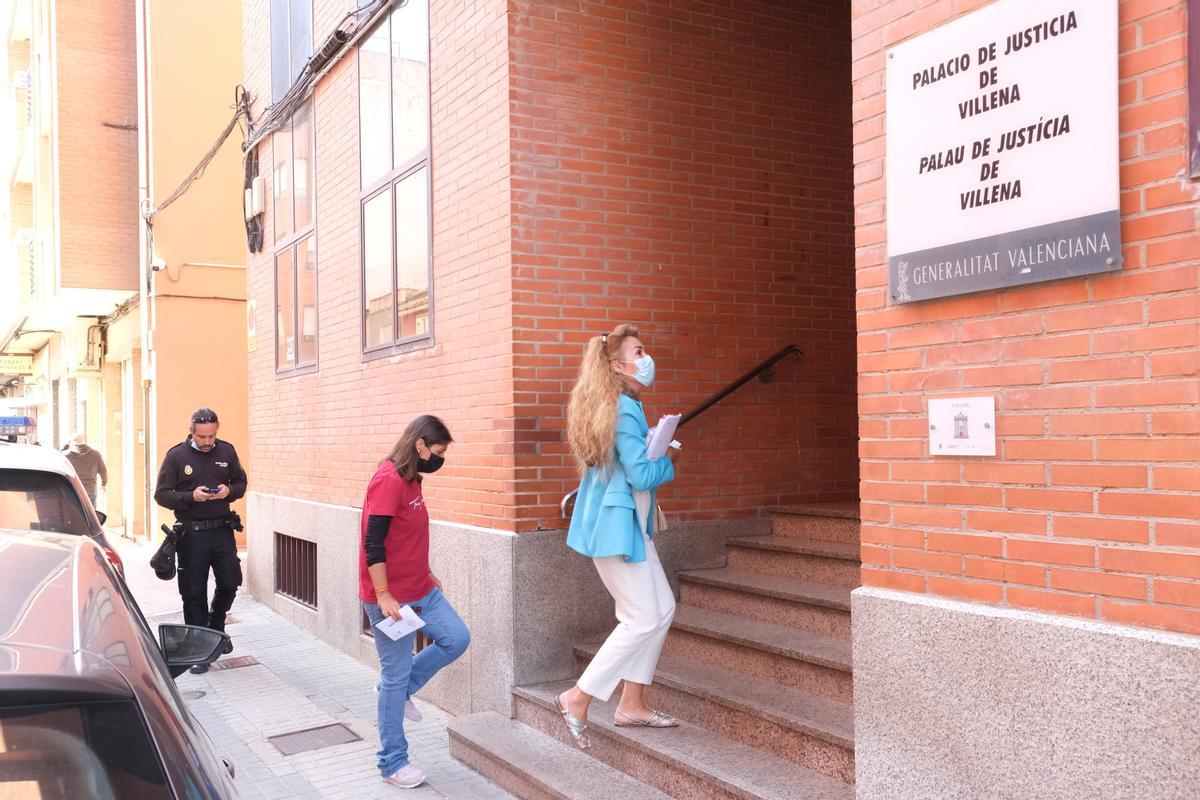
x=399 y=628
x=659 y=438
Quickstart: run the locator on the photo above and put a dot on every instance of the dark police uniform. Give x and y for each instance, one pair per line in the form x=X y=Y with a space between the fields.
x=208 y=538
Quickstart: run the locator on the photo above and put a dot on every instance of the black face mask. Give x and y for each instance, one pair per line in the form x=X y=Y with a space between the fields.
x=431 y=464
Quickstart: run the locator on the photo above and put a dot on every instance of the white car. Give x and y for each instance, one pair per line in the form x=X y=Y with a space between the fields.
x=39 y=491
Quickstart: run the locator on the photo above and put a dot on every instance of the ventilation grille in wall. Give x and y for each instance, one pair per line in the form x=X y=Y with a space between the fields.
x=296 y=569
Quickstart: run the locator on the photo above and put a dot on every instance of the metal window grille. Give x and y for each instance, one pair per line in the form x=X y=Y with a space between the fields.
x=296 y=569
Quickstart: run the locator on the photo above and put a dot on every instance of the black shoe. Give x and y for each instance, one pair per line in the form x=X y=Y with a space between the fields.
x=199 y=669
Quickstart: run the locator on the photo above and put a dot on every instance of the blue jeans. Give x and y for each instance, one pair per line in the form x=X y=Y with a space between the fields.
x=403 y=674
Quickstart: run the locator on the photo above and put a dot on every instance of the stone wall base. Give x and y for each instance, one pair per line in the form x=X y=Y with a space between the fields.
x=526 y=598
x=961 y=700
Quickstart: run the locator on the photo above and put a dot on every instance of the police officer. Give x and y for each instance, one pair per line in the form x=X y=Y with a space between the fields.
x=198 y=480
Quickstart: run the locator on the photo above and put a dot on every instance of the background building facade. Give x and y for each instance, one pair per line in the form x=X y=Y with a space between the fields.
x=472 y=189
x=1090 y=511
x=192 y=252
x=108 y=115
x=70 y=265
x=470 y=233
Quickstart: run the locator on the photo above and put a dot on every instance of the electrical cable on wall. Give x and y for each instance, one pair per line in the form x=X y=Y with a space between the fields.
x=241 y=109
x=241 y=104
x=275 y=117
x=279 y=114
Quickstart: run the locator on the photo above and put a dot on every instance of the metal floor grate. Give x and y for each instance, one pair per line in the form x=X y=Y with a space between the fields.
x=313 y=739
x=234 y=663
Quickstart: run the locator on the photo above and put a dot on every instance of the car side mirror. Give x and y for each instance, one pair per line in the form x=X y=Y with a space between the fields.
x=185 y=646
x=103 y=517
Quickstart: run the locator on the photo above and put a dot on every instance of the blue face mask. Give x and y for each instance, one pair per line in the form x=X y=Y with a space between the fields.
x=644 y=370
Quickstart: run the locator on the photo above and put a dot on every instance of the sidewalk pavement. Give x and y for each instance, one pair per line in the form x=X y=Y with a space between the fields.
x=298 y=683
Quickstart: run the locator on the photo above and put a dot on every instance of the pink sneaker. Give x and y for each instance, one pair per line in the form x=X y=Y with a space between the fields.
x=407 y=777
x=411 y=712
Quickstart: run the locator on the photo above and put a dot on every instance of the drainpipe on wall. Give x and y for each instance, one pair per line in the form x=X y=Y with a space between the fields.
x=145 y=257
x=1193 y=86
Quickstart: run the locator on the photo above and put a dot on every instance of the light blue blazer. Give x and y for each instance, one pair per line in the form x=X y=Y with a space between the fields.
x=605 y=522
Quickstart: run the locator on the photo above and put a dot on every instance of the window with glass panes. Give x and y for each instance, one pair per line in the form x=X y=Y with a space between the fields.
x=393 y=79
x=295 y=244
x=291 y=43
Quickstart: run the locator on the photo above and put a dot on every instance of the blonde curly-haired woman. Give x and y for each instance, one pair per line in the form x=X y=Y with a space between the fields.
x=613 y=523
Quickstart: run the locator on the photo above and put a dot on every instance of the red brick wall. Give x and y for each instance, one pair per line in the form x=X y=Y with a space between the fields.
x=1092 y=505
x=97 y=164
x=686 y=166
x=319 y=436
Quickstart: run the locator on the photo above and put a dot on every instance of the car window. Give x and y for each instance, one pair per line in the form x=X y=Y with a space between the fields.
x=31 y=500
x=75 y=750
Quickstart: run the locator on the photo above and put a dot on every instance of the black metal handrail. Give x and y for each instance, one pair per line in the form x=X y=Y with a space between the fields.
x=764 y=371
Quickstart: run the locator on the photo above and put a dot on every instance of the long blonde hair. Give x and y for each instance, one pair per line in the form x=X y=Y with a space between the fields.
x=592 y=412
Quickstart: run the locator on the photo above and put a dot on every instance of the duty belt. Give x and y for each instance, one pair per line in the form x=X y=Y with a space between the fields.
x=206 y=524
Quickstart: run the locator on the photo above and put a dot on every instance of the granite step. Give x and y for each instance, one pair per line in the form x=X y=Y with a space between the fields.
x=820 y=561
x=837 y=522
x=844 y=509
x=534 y=766
x=807 y=729
x=808 y=605
x=687 y=761
x=798 y=659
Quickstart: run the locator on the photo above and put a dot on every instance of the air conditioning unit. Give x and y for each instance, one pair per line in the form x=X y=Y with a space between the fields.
x=84 y=348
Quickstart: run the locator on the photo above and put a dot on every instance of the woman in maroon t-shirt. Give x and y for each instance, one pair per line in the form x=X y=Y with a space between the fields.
x=394 y=572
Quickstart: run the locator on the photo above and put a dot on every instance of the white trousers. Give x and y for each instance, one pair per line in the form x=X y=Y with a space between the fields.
x=645 y=607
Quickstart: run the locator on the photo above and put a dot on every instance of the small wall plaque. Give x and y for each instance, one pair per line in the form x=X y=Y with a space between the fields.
x=962 y=426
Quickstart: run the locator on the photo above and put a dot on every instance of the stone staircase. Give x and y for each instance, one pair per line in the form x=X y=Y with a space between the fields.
x=756 y=668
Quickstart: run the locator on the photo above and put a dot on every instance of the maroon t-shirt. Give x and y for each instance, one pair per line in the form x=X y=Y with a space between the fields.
x=407 y=540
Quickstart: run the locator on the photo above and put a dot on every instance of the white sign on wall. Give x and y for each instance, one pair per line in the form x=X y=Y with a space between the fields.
x=1002 y=149
x=16 y=365
x=962 y=426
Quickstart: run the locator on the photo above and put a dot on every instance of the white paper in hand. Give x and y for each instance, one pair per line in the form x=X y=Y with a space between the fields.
x=399 y=628
x=661 y=436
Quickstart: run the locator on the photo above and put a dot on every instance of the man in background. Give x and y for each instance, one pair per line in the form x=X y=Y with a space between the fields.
x=88 y=464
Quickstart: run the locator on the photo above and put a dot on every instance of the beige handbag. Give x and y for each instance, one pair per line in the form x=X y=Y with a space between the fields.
x=660 y=518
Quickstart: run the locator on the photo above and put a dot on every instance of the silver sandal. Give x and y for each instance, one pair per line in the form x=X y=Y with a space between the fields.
x=658 y=719
x=578 y=729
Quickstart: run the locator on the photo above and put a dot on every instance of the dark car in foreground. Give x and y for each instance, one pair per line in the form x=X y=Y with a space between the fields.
x=39 y=491
x=88 y=703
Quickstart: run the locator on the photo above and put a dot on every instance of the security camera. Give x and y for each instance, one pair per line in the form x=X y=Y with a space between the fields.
x=158 y=264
